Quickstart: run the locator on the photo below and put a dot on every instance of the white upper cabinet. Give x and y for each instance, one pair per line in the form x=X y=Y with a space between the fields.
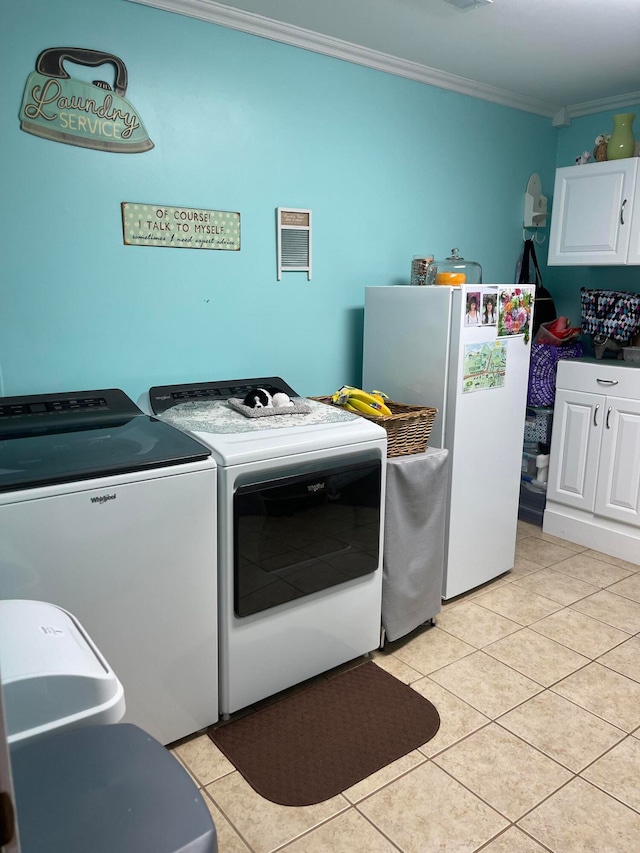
x=596 y=214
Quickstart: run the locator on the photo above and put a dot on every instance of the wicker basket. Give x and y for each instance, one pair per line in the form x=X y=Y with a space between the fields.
x=408 y=427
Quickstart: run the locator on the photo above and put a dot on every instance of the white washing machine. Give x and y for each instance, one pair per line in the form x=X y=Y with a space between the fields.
x=300 y=523
x=107 y=512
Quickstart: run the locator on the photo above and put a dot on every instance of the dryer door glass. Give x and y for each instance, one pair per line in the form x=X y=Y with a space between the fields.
x=296 y=535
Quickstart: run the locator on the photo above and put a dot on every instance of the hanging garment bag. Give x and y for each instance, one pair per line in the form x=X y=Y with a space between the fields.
x=545 y=309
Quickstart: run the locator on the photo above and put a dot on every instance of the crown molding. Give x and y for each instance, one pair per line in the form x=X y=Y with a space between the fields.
x=258 y=25
x=603 y=104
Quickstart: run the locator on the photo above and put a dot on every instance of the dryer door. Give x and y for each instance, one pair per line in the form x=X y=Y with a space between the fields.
x=299 y=534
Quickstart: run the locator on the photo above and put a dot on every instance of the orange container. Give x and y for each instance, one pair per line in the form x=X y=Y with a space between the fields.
x=453 y=279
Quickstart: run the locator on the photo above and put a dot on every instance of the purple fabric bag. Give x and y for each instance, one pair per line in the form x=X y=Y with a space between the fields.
x=543 y=368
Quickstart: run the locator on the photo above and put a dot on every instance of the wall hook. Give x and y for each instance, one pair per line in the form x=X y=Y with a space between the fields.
x=534 y=236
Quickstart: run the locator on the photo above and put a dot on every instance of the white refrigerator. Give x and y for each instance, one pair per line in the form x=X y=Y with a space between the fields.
x=426 y=345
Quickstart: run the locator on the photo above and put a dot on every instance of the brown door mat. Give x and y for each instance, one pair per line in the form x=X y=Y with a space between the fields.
x=317 y=743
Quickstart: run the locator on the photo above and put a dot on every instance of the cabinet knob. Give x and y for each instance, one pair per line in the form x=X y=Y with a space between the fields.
x=607 y=381
x=595 y=415
x=622 y=212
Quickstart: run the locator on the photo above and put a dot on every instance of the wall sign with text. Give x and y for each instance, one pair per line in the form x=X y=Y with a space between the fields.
x=96 y=115
x=179 y=227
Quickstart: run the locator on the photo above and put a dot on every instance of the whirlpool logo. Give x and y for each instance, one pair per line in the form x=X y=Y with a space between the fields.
x=315 y=487
x=102 y=499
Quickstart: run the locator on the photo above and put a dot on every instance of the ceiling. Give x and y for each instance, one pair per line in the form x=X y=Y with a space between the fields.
x=559 y=58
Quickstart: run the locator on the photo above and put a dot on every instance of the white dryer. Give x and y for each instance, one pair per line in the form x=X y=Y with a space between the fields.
x=300 y=524
x=106 y=512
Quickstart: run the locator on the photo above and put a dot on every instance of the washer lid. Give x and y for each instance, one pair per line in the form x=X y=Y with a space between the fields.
x=61 y=438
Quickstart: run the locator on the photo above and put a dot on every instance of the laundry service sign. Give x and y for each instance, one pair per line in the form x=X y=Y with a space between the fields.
x=179 y=227
x=94 y=114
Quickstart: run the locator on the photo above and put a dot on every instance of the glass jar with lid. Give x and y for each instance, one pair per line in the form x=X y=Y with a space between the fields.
x=454 y=271
x=420 y=268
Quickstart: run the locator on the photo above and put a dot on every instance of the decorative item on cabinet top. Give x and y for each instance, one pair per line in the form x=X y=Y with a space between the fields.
x=622 y=143
x=600 y=150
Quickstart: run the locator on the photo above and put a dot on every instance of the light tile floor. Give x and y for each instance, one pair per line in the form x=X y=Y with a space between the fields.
x=537 y=680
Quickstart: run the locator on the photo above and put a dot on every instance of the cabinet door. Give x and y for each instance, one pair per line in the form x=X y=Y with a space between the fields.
x=592 y=213
x=618 y=491
x=634 y=239
x=575 y=446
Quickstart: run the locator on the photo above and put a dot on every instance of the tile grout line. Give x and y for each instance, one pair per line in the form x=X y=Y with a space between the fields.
x=512 y=822
x=627 y=735
x=311 y=829
x=228 y=819
x=377 y=828
x=546 y=754
x=504 y=831
x=612 y=796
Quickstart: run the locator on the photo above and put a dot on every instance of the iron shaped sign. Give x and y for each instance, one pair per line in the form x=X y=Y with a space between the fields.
x=76 y=112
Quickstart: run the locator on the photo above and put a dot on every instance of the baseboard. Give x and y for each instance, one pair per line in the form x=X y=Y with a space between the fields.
x=593 y=532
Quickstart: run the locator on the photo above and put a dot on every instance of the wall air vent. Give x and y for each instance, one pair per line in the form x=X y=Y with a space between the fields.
x=294 y=241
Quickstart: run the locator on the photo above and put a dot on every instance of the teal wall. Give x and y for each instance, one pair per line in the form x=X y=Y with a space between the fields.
x=390 y=168
x=565 y=282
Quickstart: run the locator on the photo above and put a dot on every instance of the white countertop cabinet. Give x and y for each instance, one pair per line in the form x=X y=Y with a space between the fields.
x=593 y=493
x=596 y=214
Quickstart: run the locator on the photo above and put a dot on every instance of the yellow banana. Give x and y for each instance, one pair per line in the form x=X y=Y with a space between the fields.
x=380 y=397
x=384 y=409
x=341 y=398
x=357 y=400
x=369 y=400
x=359 y=394
x=365 y=408
x=341 y=395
